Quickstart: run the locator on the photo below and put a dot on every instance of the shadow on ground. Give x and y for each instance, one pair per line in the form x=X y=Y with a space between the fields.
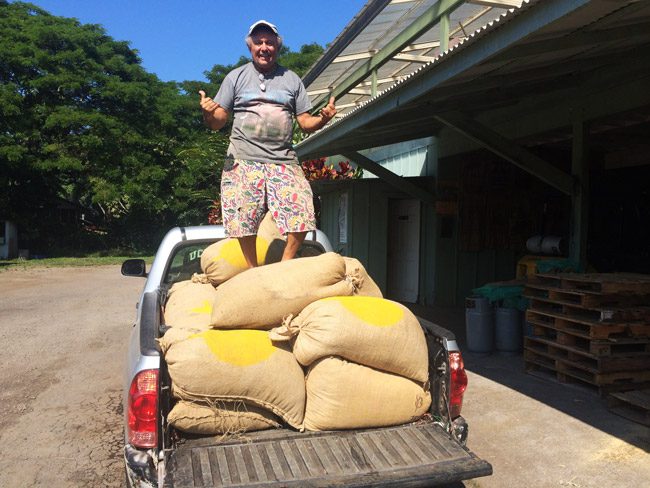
x=580 y=401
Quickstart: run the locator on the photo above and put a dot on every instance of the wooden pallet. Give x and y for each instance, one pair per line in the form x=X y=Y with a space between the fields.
x=599 y=313
x=586 y=299
x=584 y=371
x=564 y=372
x=607 y=347
x=584 y=326
x=605 y=283
x=633 y=405
x=592 y=329
x=587 y=361
x=548 y=373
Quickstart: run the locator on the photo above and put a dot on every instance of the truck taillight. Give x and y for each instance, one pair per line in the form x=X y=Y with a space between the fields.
x=143 y=409
x=458 y=380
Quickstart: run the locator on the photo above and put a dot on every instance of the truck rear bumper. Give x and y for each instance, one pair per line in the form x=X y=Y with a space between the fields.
x=140 y=469
x=410 y=455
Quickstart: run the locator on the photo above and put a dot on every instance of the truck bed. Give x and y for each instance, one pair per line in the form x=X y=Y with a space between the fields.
x=418 y=454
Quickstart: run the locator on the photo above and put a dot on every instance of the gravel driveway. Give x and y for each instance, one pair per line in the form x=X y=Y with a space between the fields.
x=63 y=333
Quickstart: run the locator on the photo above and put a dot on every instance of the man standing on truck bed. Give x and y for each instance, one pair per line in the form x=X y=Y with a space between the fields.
x=261 y=168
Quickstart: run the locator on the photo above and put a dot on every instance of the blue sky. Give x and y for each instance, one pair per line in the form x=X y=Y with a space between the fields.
x=180 y=39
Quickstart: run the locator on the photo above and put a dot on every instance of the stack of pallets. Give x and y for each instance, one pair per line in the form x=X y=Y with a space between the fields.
x=590 y=328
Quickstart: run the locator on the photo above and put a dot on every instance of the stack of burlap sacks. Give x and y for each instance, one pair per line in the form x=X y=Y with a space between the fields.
x=309 y=342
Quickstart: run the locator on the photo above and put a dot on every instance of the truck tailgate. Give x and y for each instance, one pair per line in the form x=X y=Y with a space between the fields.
x=410 y=455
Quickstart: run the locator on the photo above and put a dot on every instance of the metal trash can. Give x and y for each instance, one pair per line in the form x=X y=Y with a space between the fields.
x=479 y=324
x=508 y=330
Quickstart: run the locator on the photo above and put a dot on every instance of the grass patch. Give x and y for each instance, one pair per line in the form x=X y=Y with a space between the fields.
x=63 y=262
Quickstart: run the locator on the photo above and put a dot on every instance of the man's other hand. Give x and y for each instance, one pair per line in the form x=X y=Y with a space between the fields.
x=328 y=111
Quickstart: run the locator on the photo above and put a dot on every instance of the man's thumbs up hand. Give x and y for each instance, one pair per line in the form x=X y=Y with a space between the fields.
x=207 y=104
x=328 y=111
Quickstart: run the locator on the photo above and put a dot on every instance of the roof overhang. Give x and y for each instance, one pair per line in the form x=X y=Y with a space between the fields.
x=570 y=48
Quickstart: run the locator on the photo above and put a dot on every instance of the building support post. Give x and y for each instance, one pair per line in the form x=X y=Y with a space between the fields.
x=444 y=32
x=373 y=83
x=580 y=196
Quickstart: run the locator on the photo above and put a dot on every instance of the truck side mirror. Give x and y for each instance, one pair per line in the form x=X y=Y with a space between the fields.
x=134 y=267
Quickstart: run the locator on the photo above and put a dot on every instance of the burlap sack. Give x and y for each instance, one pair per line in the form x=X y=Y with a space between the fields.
x=232 y=365
x=371 y=331
x=189 y=304
x=345 y=395
x=261 y=297
x=268 y=228
x=220 y=418
x=367 y=286
x=224 y=259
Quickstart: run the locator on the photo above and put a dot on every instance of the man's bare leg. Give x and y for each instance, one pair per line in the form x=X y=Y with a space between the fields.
x=294 y=240
x=248 y=246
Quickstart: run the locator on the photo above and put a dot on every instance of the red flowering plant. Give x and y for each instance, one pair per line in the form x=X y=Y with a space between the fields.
x=214 y=215
x=317 y=169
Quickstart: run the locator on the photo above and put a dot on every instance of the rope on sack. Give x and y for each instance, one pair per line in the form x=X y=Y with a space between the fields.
x=200 y=278
x=289 y=328
x=355 y=279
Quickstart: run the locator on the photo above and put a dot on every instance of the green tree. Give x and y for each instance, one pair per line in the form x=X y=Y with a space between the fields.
x=86 y=131
x=300 y=61
x=83 y=124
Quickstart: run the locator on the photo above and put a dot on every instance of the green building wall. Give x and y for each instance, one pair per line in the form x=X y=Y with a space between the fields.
x=446 y=275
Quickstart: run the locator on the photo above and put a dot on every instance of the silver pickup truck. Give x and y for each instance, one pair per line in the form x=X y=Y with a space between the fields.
x=425 y=453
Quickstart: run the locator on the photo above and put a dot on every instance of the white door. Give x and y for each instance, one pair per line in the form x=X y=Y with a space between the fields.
x=403 y=250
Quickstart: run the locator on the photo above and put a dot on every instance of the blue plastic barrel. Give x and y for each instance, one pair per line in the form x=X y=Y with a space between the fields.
x=479 y=324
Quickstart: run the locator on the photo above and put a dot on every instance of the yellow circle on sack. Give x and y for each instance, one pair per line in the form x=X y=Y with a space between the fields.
x=372 y=310
x=231 y=252
x=205 y=308
x=238 y=347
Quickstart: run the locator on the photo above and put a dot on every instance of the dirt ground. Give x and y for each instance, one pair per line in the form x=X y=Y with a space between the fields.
x=64 y=333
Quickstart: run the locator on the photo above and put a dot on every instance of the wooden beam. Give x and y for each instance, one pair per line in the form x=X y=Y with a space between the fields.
x=416 y=58
x=395 y=180
x=358 y=91
x=346 y=58
x=381 y=81
x=508 y=150
x=421 y=46
x=580 y=200
x=321 y=91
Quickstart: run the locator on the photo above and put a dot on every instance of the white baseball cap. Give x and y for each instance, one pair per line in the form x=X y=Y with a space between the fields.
x=263 y=23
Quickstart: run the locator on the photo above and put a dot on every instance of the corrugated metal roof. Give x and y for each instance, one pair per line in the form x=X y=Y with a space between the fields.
x=543 y=46
x=373 y=28
x=453 y=48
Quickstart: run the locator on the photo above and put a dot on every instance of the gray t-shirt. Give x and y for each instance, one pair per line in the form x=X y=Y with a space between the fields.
x=263 y=125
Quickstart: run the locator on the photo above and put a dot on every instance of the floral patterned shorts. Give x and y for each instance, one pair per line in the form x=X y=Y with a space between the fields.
x=249 y=188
